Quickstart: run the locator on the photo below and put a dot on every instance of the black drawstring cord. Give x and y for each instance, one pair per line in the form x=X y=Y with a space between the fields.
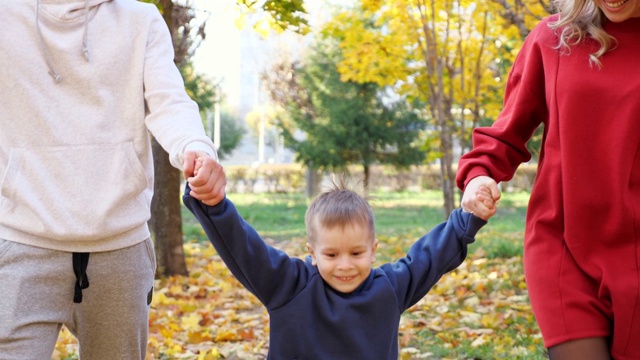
x=80 y=262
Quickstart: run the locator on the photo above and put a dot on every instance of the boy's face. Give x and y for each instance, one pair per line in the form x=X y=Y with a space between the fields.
x=344 y=255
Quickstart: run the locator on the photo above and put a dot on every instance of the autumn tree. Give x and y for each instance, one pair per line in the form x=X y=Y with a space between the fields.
x=447 y=54
x=332 y=123
x=524 y=14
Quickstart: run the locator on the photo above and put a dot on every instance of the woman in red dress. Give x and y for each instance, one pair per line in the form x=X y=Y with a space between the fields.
x=577 y=73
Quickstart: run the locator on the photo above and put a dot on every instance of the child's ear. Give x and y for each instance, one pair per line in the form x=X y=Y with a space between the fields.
x=373 y=251
x=313 y=254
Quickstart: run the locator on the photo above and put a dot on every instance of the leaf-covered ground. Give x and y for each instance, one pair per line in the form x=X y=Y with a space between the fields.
x=479 y=311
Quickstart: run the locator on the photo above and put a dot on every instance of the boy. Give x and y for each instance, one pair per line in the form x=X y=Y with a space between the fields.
x=334 y=305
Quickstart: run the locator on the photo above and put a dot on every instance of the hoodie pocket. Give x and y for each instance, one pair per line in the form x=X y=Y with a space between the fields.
x=75 y=193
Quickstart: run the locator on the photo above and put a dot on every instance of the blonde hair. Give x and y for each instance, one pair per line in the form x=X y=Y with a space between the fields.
x=338 y=206
x=579 y=19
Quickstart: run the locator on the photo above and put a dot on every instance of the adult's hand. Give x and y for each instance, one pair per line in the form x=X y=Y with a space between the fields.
x=480 y=197
x=205 y=175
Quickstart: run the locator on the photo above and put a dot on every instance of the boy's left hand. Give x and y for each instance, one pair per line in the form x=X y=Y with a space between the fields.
x=206 y=177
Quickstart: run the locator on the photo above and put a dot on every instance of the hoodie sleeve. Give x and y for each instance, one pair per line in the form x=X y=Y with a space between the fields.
x=499 y=150
x=172 y=117
x=441 y=250
x=268 y=273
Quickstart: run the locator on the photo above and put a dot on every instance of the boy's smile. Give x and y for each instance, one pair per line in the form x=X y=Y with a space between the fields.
x=344 y=255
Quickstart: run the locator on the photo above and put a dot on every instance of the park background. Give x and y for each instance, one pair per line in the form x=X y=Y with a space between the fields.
x=387 y=91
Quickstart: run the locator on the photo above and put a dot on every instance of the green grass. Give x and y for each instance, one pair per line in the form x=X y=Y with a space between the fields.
x=398 y=216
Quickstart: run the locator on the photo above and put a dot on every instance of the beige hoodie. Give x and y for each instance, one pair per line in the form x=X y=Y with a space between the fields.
x=81 y=85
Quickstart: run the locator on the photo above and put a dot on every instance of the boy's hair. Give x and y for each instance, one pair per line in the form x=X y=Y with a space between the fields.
x=578 y=20
x=338 y=206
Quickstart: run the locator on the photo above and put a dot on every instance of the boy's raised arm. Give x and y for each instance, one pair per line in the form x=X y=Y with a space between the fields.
x=268 y=273
x=439 y=251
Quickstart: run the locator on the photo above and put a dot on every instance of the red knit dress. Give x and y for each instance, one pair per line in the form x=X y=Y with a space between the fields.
x=581 y=254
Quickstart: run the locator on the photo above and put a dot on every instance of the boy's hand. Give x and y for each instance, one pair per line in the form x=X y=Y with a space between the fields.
x=206 y=177
x=480 y=197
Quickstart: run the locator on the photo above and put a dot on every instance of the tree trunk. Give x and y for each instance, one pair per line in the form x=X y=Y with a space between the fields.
x=443 y=110
x=313 y=182
x=166 y=220
x=447 y=173
x=435 y=94
x=365 y=182
x=167 y=13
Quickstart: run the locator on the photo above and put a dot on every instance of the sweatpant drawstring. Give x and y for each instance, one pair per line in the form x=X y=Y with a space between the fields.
x=80 y=262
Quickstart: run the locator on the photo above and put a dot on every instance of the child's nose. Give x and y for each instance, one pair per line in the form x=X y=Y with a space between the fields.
x=345 y=263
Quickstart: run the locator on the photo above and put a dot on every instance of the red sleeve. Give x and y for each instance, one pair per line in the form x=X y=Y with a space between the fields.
x=499 y=150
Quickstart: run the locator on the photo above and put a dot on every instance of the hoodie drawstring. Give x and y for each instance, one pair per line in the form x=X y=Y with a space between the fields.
x=80 y=262
x=85 y=51
x=45 y=49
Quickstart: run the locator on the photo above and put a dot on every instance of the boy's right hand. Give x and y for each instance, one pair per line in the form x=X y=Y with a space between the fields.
x=480 y=197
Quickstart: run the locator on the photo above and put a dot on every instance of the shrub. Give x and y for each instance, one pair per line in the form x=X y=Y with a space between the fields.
x=291 y=178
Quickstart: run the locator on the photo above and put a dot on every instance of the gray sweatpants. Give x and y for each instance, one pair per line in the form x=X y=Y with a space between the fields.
x=36 y=298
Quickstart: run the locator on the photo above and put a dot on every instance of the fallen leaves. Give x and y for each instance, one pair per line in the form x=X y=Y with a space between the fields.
x=208 y=315
x=479 y=310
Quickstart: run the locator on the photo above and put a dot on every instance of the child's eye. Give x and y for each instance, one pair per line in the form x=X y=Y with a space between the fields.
x=330 y=255
x=357 y=253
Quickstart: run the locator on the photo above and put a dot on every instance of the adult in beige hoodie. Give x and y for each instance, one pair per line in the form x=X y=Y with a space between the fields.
x=82 y=84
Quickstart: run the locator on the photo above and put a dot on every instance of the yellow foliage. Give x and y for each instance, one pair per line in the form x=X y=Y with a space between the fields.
x=240 y=21
x=226 y=335
x=212 y=354
x=197 y=336
x=264 y=26
x=190 y=321
x=428 y=50
x=491 y=320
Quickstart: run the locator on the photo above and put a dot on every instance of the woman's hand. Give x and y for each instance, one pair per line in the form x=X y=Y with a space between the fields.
x=480 y=197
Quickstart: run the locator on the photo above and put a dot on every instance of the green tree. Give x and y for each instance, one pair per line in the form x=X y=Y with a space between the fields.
x=231 y=134
x=199 y=88
x=204 y=92
x=335 y=123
